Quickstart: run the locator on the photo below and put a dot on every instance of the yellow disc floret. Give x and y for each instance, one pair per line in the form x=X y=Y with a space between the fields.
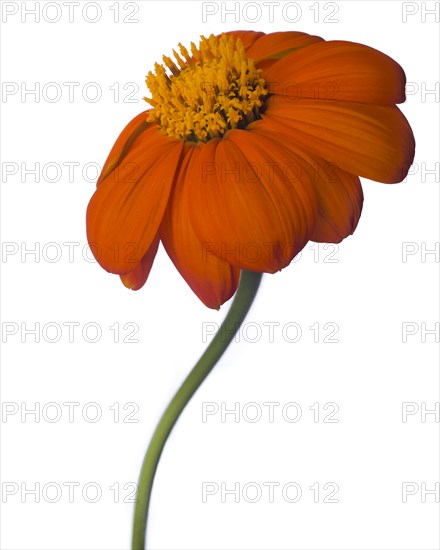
x=208 y=92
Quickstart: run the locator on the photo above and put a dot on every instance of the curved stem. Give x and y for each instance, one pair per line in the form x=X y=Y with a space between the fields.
x=247 y=289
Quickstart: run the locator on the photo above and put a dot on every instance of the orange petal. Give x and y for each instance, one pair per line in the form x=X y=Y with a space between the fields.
x=125 y=212
x=122 y=145
x=138 y=277
x=251 y=200
x=338 y=70
x=213 y=280
x=276 y=45
x=340 y=200
x=339 y=193
x=372 y=141
x=247 y=37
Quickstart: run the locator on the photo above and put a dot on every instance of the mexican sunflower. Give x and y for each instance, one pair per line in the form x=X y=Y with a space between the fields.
x=252 y=145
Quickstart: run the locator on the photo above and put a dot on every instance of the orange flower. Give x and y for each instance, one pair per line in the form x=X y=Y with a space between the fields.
x=252 y=147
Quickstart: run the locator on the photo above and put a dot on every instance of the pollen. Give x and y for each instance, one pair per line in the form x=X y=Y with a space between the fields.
x=206 y=92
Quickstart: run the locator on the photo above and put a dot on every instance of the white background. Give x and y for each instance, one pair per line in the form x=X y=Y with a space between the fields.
x=369 y=287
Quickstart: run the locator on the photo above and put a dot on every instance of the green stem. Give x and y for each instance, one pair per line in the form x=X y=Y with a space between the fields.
x=247 y=289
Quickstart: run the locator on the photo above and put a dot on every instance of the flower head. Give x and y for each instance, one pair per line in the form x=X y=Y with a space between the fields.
x=253 y=145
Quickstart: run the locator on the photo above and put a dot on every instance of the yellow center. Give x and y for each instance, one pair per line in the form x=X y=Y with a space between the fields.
x=209 y=92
